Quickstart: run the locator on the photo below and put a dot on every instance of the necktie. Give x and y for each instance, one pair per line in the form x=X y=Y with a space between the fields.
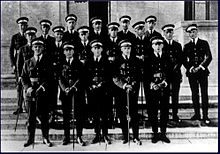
x=158 y=55
x=58 y=44
x=194 y=41
x=169 y=42
x=126 y=57
x=38 y=59
x=84 y=44
x=151 y=32
x=69 y=62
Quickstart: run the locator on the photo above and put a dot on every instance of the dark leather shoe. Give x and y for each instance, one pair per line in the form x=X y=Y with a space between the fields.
x=96 y=139
x=164 y=138
x=155 y=138
x=137 y=141
x=66 y=141
x=125 y=141
x=18 y=111
x=106 y=140
x=47 y=142
x=196 y=117
x=80 y=141
x=28 y=143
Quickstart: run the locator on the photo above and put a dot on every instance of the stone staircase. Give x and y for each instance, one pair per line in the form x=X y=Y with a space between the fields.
x=185 y=129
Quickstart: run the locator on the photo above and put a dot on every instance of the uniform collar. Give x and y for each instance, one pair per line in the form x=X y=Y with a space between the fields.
x=86 y=42
x=196 y=40
x=71 y=31
x=114 y=39
x=160 y=53
x=171 y=41
x=71 y=60
x=97 y=57
x=150 y=31
x=36 y=57
x=124 y=56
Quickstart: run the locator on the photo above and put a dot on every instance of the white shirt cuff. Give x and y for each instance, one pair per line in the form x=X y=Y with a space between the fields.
x=190 y=70
x=42 y=88
x=203 y=68
x=124 y=85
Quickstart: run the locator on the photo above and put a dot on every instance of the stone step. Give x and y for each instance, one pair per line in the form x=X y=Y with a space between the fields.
x=183 y=114
x=115 y=134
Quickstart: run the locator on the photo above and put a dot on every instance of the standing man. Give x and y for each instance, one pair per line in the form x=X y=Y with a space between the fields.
x=97 y=31
x=84 y=49
x=18 y=40
x=125 y=33
x=25 y=53
x=35 y=78
x=48 y=40
x=127 y=79
x=174 y=49
x=97 y=73
x=157 y=67
x=71 y=83
x=71 y=34
x=151 y=22
x=56 y=57
x=197 y=57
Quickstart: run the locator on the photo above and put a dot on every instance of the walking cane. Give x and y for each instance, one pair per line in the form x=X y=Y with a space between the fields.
x=73 y=105
x=19 y=102
x=128 y=116
x=142 y=102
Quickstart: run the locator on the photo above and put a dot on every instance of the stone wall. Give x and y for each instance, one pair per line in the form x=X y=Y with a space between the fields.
x=165 y=11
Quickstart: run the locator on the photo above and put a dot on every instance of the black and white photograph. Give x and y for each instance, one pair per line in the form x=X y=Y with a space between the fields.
x=109 y=76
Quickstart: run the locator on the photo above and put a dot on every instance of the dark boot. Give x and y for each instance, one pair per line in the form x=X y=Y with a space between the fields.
x=155 y=138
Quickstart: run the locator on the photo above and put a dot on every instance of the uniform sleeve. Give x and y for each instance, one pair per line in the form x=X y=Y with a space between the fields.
x=25 y=77
x=208 y=56
x=179 y=57
x=185 y=57
x=11 y=51
x=20 y=62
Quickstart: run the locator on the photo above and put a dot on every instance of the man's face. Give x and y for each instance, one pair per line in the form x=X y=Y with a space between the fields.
x=71 y=24
x=97 y=50
x=97 y=25
x=84 y=36
x=193 y=33
x=45 y=29
x=125 y=24
x=126 y=50
x=68 y=52
x=168 y=34
x=140 y=31
x=38 y=49
x=158 y=46
x=58 y=36
x=151 y=25
x=113 y=32
x=30 y=36
x=22 y=27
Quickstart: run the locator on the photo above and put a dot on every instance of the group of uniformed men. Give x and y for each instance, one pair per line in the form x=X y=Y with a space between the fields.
x=100 y=68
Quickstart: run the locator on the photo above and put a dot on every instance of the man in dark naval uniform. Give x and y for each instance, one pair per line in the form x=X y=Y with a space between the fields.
x=97 y=30
x=35 y=78
x=48 y=40
x=97 y=73
x=151 y=22
x=71 y=34
x=71 y=83
x=83 y=47
x=18 y=40
x=125 y=33
x=56 y=58
x=112 y=52
x=157 y=66
x=197 y=57
x=25 y=53
x=174 y=49
x=127 y=79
